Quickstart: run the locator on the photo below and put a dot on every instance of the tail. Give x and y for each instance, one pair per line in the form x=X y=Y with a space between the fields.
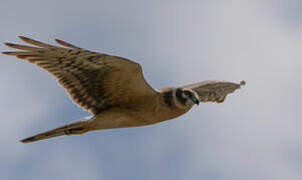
x=75 y=127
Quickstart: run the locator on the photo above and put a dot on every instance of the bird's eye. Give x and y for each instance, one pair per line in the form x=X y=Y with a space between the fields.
x=184 y=94
x=188 y=93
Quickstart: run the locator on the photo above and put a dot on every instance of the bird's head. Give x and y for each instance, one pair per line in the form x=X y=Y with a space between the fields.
x=187 y=97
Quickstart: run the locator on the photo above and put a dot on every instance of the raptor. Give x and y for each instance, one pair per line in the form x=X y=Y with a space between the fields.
x=112 y=88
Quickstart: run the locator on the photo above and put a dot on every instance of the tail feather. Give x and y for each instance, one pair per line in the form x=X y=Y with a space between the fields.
x=74 y=127
x=44 y=135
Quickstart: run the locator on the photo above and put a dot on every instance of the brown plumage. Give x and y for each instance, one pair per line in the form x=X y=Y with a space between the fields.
x=112 y=88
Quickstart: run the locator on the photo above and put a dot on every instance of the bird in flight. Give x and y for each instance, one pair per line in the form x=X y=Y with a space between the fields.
x=112 y=88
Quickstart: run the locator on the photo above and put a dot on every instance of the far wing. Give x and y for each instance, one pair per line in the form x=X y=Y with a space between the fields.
x=213 y=91
x=95 y=81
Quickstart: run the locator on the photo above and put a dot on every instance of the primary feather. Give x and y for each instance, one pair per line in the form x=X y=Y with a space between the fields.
x=95 y=81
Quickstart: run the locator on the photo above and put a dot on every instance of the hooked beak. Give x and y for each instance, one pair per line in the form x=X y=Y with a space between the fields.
x=195 y=100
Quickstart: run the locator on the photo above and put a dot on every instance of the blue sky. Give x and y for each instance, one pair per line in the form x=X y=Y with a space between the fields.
x=255 y=134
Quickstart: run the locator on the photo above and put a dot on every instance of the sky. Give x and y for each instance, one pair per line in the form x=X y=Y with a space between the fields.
x=255 y=134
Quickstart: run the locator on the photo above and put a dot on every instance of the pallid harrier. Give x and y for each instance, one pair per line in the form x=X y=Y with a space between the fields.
x=113 y=89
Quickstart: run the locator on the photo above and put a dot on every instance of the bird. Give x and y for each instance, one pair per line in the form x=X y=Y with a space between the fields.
x=112 y=88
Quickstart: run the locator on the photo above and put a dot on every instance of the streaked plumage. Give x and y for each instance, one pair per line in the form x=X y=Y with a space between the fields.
x=113 y=88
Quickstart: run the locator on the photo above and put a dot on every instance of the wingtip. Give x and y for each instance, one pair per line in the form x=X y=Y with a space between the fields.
x=11 y=45
x=5 y=52
x=242 y=83
x=26 y=140
x=66 y=44
x=7 y=44
x=23 y=141
x=58 y=41
x=26 y=39
x=22 y=37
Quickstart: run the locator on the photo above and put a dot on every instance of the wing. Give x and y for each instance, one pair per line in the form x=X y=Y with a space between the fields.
x=95 y=81
x=214 y=91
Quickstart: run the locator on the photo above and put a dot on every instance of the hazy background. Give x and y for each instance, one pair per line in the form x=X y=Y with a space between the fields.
x=255 y=134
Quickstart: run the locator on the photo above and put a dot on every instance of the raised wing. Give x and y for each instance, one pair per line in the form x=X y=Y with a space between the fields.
x=95 y=81
x=214 y=91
